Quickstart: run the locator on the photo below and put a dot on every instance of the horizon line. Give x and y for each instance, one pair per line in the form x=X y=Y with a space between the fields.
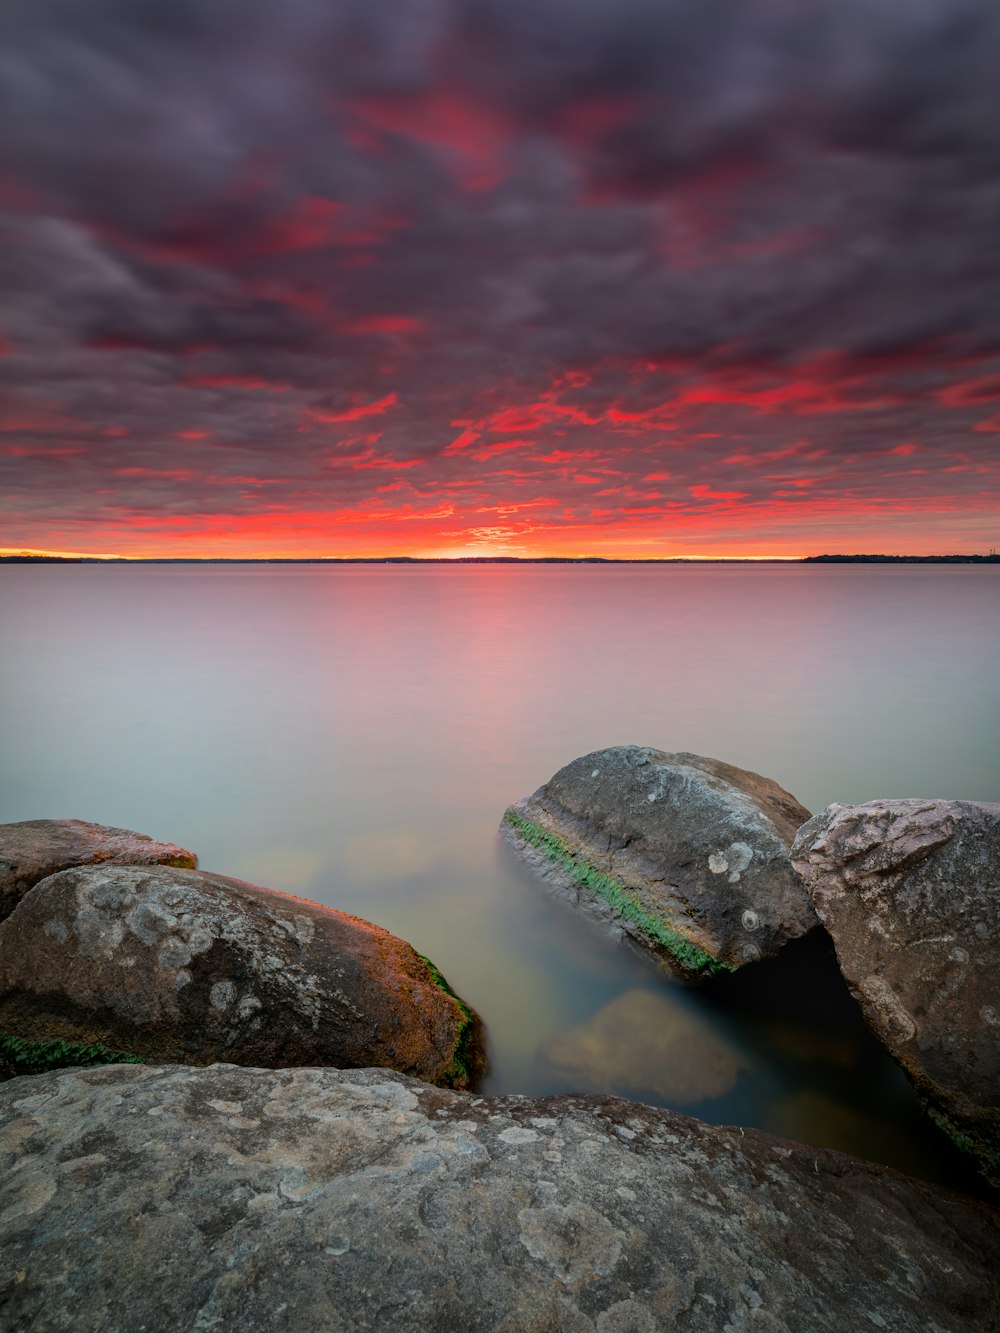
x=29 y=555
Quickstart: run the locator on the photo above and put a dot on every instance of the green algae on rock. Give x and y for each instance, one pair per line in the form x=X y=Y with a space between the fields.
x=686 y=857
x=18 y=1056
x=469 y=1061
x=617 y=895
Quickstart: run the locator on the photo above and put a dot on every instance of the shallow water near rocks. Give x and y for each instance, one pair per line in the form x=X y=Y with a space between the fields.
x=354 y=734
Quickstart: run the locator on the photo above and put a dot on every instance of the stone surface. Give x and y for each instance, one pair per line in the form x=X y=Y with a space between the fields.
x=192 y=967
x=645 y=1043
x=686 y=856
x=910 y=892
x=235 y=1199
x=37 y=848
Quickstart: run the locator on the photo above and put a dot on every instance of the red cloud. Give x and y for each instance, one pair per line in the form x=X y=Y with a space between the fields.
x=471 y=136
x=983 y=390
x=384 y=324
x=355 y=412
x=703 y=492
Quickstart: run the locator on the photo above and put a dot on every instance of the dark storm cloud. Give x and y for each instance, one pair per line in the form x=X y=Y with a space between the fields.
x=241 y=233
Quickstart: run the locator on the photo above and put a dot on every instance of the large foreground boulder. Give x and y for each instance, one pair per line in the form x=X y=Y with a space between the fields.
x=191 y=967
x=686 y=856
x=36 y=848
x=238 y=1199
x=910 y=892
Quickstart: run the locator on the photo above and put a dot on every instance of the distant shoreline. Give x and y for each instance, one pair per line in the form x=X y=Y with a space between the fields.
x=499 y=560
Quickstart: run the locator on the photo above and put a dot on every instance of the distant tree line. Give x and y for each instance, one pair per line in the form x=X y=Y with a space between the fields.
x=990 y=559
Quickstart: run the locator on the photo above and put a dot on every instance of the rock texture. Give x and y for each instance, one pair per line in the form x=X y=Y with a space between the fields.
x=910 y=892
x=646 y=1044
x=191 y=967
x=237 y=1199
x=32 y=850
x=686 y=856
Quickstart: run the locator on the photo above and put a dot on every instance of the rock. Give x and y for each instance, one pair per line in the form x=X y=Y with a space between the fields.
x=648 y=1044
x=910 y=892
x=37 y=848
x=316 y=1199
x=688 y=857
x=191 y=967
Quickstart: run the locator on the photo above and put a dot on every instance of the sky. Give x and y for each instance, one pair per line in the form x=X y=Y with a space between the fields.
x=635 y=278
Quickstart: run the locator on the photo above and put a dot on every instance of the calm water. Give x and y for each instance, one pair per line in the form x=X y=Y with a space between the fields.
x=354 y=735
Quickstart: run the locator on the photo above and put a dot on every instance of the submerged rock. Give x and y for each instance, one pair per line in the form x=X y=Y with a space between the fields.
x=910 y=892
x=186 y=966
x=646 y=1043
x=308 y=1199
x=36 y=848
x=686 y=856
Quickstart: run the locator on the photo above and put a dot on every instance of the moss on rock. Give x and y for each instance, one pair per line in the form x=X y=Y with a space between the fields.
x=19 y=1056
x=617 y=894
x=467 y=1060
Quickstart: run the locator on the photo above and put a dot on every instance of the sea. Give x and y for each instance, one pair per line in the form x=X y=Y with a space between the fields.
x=353 y=733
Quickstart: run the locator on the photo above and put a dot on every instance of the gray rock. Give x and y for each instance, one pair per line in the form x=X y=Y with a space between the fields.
x=685 y=856
x=191 y=967
x=37 y=848
x=648 y=1044
x=238 y=1199
x=910 y=892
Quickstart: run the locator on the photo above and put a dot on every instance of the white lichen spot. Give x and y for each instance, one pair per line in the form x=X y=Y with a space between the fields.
x=297 y=1189
x=83 y=1163
x=740 y=856
x=652 y=796
x=248 y=1006
x=305 y=929
x=989 y=1016
x=97 y=935
x=174 y=952
x=751 y=1295
x=888 y=1011
x=150 y=921
x=262 y=1202
x=718 y=863
x=222 y=995
x=518 y=1134
x=182 y=979
x=750 y=919
x=958 y=956
x=56 y=930
x=596 y=773
x=338 y=1245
